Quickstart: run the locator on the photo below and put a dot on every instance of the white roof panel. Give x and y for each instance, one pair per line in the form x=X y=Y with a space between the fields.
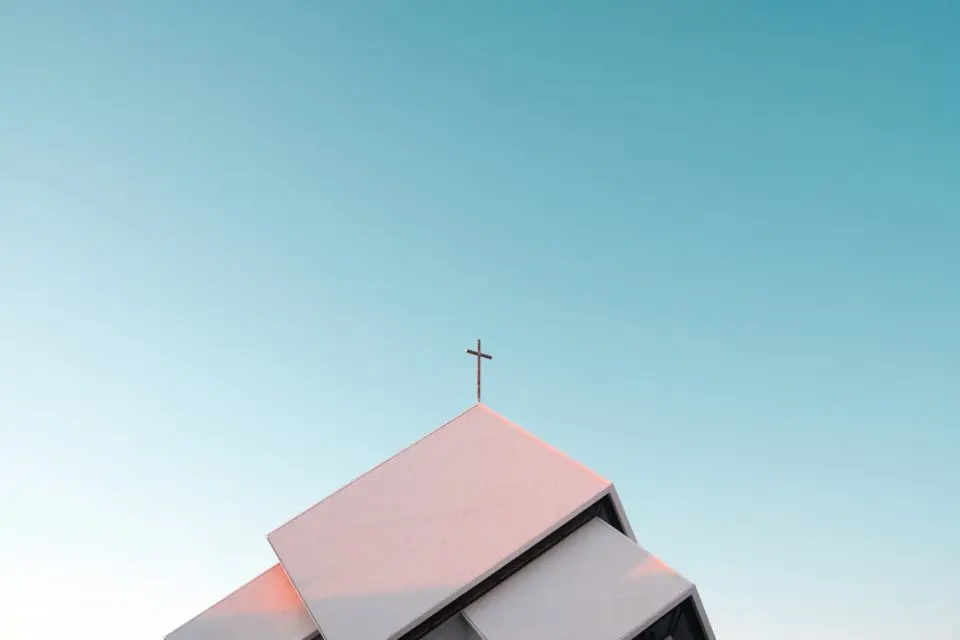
x=266 y=608
x=596 y=584
x=383 y=553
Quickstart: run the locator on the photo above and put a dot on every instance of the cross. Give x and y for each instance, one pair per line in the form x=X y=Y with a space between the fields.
x=479 y=355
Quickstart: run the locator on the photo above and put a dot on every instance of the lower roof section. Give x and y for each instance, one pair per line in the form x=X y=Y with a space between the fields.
x=597 y=584
x=266 y=608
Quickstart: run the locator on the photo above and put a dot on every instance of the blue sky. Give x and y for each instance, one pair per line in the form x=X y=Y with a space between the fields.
x=712 y=246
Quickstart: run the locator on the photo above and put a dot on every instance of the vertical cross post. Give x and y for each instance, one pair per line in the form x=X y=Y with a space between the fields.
x=480 y=355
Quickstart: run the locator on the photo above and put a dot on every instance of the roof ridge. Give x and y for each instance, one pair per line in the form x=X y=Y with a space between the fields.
x=543 y=442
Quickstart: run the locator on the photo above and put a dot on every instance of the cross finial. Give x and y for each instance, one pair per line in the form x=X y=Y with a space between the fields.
x=479 y=355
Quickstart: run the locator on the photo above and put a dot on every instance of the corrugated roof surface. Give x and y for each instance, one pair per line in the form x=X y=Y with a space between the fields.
x=266 y=608
x=597 y=584
x=393 y=546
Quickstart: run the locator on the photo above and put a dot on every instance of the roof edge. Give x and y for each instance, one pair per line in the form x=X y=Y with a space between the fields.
x=237 y=590
x=544 y=443
x=374 y=468
x=296 y=588
x=702 y=614
x=622 y=513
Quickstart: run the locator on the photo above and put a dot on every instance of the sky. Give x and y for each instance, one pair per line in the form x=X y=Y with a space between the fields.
x=712 y=246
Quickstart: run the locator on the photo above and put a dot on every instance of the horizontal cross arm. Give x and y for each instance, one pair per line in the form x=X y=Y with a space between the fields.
x=482 y=355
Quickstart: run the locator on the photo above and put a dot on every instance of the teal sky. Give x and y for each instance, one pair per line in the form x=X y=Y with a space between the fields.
x=714 y=248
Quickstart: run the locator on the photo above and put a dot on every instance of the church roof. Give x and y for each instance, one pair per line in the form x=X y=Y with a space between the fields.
x=266 y=608
x=596 y=584
x=478 y=530
x=394 y=546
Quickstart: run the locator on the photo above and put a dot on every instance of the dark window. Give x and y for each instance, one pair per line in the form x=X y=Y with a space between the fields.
x=680 y=623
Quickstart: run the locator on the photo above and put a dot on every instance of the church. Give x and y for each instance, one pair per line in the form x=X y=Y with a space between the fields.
x=477 y=531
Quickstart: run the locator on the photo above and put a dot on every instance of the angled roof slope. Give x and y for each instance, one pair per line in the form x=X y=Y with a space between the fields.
x=266 y=608
x=383 y=553
x=597 y=584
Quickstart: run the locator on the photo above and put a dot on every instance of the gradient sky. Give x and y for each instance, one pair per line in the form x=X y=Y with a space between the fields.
x=713 y=246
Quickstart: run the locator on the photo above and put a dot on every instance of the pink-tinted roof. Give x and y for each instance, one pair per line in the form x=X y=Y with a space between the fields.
x=596 y=584
x=266 y=608
x=392 y=547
